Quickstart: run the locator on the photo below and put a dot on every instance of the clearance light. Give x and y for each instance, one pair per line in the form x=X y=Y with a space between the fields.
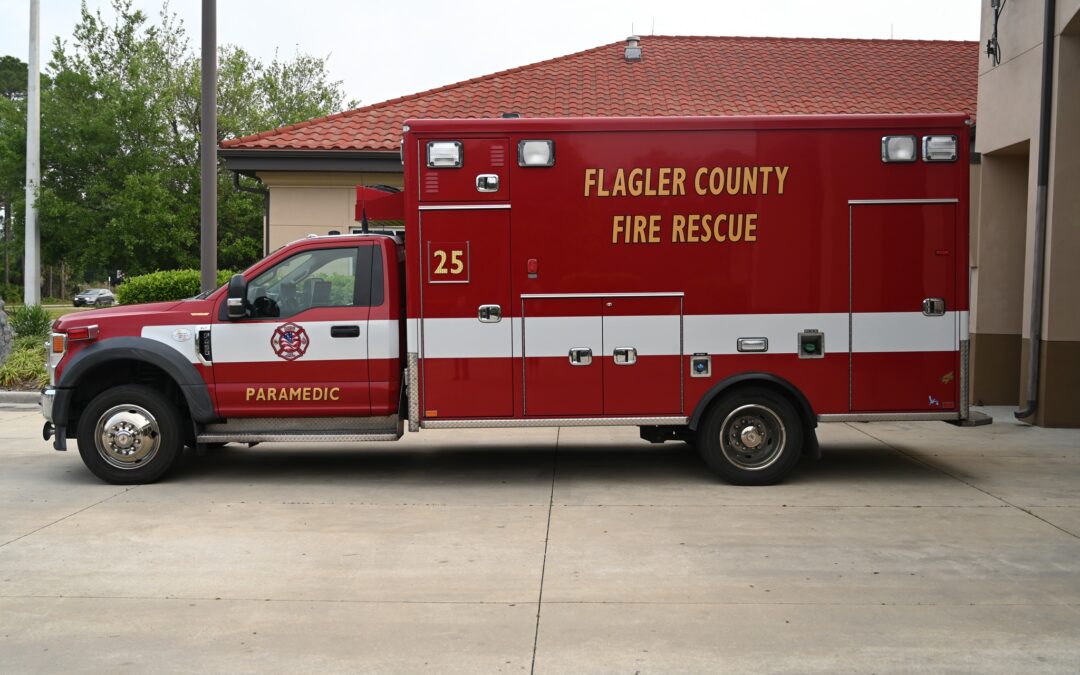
x=82 y=333
x=939 y=148
x=898 y=149
x=536 y=153
x=444 y=154
x=58 y=343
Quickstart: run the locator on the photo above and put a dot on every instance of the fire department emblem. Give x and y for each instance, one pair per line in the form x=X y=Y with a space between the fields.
x=289 y=341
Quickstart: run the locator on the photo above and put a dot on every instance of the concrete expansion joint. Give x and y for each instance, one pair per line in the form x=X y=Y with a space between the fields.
x=73 y=513
x=547 y=539
x=629 y=603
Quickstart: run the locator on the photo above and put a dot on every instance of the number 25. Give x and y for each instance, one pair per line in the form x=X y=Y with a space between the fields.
x=456 y=265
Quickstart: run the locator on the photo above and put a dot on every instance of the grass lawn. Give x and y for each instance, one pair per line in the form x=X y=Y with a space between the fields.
x=55 y=311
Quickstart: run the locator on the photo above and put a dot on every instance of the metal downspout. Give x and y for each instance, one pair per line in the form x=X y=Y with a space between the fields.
x=1039 y=259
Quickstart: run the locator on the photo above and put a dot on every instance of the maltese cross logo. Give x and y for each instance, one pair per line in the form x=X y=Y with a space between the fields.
x=289 y=341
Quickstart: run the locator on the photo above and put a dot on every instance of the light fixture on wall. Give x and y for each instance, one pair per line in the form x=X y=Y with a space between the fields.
x=993 y=47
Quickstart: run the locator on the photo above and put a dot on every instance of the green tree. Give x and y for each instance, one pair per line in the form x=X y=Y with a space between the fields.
x=13 y=75
x=120 y=141
x=13 y=81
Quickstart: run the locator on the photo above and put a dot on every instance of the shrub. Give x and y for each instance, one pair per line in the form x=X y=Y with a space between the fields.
x=12 y=294
x=164 y=286
x=24 y=368
x=31 y=321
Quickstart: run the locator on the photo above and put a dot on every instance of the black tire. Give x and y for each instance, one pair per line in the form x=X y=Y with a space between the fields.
x=139 y=415
x=751 y=436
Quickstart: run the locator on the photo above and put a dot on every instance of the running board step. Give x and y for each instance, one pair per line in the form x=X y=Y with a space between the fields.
x=302 y=429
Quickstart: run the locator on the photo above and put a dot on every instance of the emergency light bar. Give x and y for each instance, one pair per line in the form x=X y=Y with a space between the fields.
x=939 y=148
x=536 y=153
x=444 y=154
x=898 y=149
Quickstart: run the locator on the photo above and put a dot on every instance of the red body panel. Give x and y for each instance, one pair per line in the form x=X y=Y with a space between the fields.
x=465 y=267
x=554 y=387
x=747 y=217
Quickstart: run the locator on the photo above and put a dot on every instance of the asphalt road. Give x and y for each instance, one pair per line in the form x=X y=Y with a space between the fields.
x=907 y=547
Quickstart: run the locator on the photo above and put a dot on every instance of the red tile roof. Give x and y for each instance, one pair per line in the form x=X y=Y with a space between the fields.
x=677 y=76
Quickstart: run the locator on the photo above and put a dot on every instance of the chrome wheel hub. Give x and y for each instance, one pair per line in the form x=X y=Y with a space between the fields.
x=752 y=437
x=127 y=436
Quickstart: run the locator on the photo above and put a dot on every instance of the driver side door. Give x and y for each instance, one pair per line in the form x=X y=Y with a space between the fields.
x=301 y=351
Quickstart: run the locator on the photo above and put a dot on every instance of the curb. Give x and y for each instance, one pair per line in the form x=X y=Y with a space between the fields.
x=24 y=397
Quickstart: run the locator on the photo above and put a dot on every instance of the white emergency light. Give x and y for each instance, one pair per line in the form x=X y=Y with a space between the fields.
x=898 y=149
x=536 y=153
x=939 y=148
x=444 y=154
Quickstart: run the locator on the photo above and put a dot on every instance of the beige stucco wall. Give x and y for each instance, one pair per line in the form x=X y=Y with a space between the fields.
x=1008 y=119
x=303 y=203
x=1007 y=137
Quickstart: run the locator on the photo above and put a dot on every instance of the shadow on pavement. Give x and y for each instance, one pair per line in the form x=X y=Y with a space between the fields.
x=519 y=464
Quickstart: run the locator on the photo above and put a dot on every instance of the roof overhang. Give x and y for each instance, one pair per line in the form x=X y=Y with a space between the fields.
x=249 y=161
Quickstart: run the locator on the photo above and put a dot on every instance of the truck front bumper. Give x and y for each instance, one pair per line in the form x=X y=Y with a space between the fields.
x=54 y=407
x=48 y=396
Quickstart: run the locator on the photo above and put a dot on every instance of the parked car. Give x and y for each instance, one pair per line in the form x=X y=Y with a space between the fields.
x=97 y=297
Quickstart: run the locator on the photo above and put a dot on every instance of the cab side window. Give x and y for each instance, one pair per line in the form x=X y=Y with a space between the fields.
x=325 y=277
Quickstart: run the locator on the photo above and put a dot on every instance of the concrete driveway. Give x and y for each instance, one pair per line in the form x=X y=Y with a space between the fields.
x=908 y=547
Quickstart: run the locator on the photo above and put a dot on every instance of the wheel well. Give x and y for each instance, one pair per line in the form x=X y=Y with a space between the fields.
x=123 y=371
x=763 y=381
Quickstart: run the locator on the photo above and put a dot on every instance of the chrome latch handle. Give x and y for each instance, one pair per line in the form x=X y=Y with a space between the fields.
x=625 y=356
x=580 y=356
x=489 y=314
x=933 y=306
x=487 y=182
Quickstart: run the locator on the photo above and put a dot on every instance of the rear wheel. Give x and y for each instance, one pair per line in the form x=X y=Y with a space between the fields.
x=130 y=435
x=751 y=436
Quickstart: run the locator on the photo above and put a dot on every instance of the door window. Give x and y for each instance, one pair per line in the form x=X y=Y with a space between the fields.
x=323 y=277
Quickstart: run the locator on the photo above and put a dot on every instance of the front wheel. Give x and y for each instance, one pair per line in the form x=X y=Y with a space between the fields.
x=752 y=436
x=130 y=435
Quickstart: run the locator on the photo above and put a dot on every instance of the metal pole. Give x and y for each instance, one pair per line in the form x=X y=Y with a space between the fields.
x=32 y=272
x=208 y=148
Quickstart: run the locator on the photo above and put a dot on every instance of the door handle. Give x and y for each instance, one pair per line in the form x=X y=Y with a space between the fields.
x=344 y=331
x=625 y=356
x=580 y=356
x=933 y=306
x=489 y=314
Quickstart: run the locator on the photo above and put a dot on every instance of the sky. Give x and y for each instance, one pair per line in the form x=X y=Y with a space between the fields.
x=381 y=50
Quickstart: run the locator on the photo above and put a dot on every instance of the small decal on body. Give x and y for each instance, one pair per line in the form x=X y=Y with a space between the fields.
x=290 y=341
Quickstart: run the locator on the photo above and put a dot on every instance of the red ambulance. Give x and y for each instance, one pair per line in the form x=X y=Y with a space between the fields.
x=728 y=282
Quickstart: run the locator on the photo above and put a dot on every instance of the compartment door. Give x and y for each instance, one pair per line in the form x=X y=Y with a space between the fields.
x=904 y=323
x=466 y=335
x=642 y=355
x=563 y=350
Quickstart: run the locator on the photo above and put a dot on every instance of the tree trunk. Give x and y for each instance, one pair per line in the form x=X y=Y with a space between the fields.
x=7 y=242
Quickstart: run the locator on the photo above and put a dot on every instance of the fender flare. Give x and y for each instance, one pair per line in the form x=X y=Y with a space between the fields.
x=182 y=371
x=801 y=403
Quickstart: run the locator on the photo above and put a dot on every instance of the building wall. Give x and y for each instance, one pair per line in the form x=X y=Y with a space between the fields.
x=1007 y=137
x=303 y=203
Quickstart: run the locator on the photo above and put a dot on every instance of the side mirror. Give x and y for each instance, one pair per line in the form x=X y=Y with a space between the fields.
x=236 y=296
